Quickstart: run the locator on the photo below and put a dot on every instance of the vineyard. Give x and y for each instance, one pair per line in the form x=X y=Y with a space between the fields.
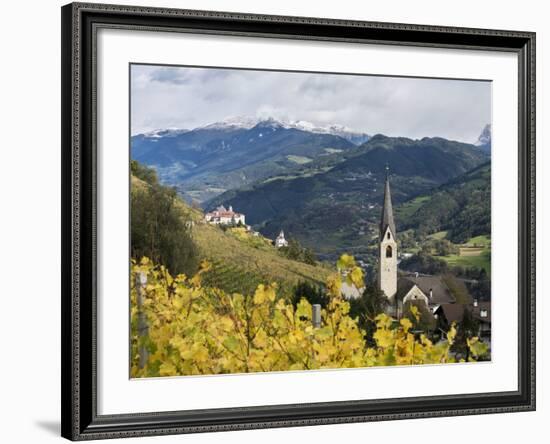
x=231 y=278
x=238 y=251
x=187 y=326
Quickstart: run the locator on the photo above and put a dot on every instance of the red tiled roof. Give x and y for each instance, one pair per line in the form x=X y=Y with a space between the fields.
x=223 y=214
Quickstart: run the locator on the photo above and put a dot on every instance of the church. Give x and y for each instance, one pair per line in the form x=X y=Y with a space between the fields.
x=429 y=290
x=280 y=241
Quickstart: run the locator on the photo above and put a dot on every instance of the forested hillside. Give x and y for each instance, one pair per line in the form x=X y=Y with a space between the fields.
x=462 y=207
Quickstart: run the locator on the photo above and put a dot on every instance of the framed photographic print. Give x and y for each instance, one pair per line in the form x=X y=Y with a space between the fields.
x=280 y=221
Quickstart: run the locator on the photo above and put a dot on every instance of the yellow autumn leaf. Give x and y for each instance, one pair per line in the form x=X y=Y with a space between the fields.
x=384 y=338
x=303 y=309
x=167 y=369
x=406 y=324
x=334 y=285
x=383 y=321
x=415 y=312
x=200 y=354
x=346 y=261
x=260 y=340
x=451 y=334
x=356 y=277
x=231 y=343
x=260 y=295
x=226 y=323
x=477 y=347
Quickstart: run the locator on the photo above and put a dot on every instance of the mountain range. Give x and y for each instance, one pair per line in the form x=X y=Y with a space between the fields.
x=209 y=160
x=322 y=185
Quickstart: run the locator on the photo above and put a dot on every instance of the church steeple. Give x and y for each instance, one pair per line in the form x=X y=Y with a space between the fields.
x=387 y=259
x=387 y=209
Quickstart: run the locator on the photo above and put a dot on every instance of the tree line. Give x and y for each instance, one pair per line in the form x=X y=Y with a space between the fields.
x=158 y=224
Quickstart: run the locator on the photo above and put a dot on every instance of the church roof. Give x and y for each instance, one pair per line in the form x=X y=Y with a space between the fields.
x=387 y=211
x=440 y=292
x=453 y=312
x=221 y=211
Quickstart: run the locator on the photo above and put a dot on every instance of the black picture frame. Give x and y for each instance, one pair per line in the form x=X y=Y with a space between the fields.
x=80 y=420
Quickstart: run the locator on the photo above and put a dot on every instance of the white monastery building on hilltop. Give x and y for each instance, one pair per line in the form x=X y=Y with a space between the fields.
x=224 y=216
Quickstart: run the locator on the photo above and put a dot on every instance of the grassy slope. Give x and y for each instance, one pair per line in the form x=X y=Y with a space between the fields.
x=407 y=209
x=481 y=261
x=241 y=263
x=438 y=235
x=476 y=252
x=483 y=240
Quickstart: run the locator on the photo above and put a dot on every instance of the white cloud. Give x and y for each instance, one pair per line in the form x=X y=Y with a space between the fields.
x=178 y=97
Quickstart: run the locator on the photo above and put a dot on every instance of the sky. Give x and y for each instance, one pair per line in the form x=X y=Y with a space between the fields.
x=179 y=97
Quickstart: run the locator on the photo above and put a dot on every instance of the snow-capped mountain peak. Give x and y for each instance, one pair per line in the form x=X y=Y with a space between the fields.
x=485 y=136
x=165 y=132
x=247 y=122
x=234 y=122
x=270 y=122
x=311 y=127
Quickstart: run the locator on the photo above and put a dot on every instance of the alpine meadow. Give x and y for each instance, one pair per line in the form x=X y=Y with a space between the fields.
x=302 y=221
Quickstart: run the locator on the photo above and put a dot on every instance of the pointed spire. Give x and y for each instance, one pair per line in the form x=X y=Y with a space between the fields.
x=387 y=210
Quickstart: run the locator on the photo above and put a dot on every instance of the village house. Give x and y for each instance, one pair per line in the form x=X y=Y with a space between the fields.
x=479 y=312
x=223 y=216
